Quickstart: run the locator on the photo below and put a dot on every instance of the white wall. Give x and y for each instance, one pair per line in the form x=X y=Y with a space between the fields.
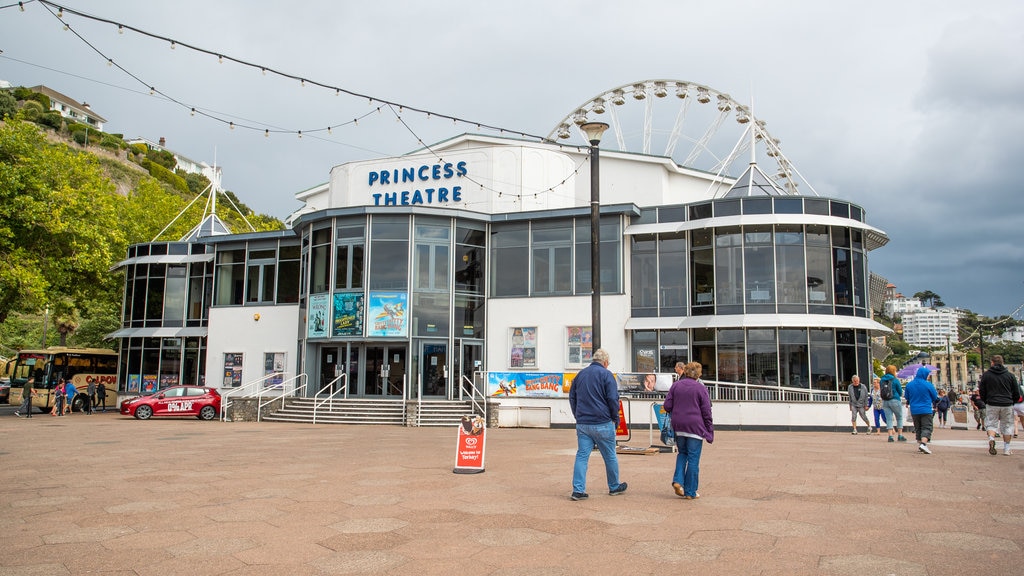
x=235 y=329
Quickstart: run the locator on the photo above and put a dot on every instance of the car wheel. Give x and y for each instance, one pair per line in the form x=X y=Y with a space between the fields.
x=208 y=413
x=143 y=412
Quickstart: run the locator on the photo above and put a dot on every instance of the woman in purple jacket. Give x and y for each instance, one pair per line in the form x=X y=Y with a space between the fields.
x=689 y=405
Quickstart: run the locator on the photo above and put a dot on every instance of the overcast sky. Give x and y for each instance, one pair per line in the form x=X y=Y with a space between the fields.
x=912 y=109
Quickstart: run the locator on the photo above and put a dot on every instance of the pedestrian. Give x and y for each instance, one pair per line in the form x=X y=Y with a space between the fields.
x=689 y=406
x=979 y=408
x=1018 y=415
x=859 y=397
x=101 y=396
x=58 y=399
x=942 y=407
x=27 y=393
x=594 y=401
x=921 y=397
x=892 y=402
x=999 y=391
x=90 y=395
x=876 y=404
x=69 y=396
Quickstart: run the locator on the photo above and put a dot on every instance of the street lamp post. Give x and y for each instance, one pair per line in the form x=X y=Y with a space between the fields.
x=594 y=130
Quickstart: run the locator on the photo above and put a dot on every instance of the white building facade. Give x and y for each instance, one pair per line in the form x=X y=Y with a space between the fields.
x=931 y=327
x=416 y=276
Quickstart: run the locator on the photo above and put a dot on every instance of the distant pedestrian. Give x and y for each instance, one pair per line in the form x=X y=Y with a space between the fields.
x=876 y=404
x=942 y=407
x=69 y=396
x=594 y=401
x=90 y=396
x=28 y=391
x=1000 y=391
x=689 y=406
x=892 y=402
x=58 y=399
x=921 y=397
x=859 y=398
x=101 y=396
x=979 y=408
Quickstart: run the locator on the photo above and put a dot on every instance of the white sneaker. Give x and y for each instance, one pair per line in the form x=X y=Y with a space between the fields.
x=924 y=448
x=1007 y=452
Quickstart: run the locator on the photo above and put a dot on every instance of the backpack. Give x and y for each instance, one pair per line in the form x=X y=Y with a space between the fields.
x=885 y=389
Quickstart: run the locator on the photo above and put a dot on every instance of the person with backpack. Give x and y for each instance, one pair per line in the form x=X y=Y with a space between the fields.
x=892 y=402
x=979 y=408
x=942 y=407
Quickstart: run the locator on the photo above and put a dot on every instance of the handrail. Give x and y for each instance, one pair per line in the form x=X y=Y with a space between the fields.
x=344 y=388
x=419 y=399
x=295 y=390
x=478 y=407
x=237 y=392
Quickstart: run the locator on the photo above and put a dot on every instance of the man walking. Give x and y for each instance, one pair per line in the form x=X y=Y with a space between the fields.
x=27 y=392
x=999 y=390
x=594 y=400
x=921 y=397
x=859 y=396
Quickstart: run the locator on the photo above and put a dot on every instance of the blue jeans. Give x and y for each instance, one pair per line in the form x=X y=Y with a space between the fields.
x=588 y=436
x=880 y=412
x=893 y=413
x=688 y=463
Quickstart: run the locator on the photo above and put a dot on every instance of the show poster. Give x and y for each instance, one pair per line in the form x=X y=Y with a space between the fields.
x=133 y=382
x=387 y=314
x=273 y=368
x=523 y=351
x=526 y=384
x=149 y=383
x=232 y=369
x=317 y=315
x=348 y=314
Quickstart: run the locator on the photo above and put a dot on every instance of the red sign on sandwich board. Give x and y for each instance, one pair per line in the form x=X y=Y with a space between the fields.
x=469 y=454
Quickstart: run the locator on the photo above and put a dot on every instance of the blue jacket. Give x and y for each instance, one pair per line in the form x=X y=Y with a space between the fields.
x=921 y=395
x=594 y=396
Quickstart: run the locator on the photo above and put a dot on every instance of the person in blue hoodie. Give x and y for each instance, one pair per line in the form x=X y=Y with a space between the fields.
x=893 y=405
x=921 y=397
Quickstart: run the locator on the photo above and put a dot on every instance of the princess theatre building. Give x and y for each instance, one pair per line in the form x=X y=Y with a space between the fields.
x=461 y=274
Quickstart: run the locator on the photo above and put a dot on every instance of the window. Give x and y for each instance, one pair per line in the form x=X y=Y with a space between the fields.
x=319 y=266
x=793 y=360
x=510 y=258
x=288 y=274
x=469 y=258
x=230 y=275
x=672 y=274
x=348 y=262
x=644 y=275
x=729 y=270
x=431 y=258
x=174 y=295
x=552 y=258
x=610 y=252
x=762 y=357
x=389 y=253
x=759 y=268
x=260 y=278
x=702 y=262
x=732 y=358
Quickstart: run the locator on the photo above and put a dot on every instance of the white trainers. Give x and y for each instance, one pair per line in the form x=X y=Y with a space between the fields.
x=1007 y=452
x=924 y=448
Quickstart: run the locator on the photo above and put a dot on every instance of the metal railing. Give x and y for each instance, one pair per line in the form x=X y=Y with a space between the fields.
x=479 y=406
x=734 y=392
x=330 y=398
x=256 y=389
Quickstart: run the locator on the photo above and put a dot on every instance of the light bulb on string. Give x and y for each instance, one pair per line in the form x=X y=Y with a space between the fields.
x=110 y=62
x=220 y=59
x=152 y=90
x=328 y=129
x=264 y=71
x=21 y=6
x=300 y=133
x=231 y=125
x=120 y=29
x=66 y=28
x=173 y=45
x=302 y=82
x=60 y=12
x=266 y=133
x=193 y=112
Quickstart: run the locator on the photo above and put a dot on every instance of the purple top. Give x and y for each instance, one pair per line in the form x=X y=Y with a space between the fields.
x=689 y=404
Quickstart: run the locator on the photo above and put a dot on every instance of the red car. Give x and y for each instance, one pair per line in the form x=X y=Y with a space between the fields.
x=195 y=401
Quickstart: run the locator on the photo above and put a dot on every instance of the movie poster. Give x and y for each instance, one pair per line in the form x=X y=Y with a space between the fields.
x=318 y=314
x=273 y=366
x=386 y=314
x=579 y=346
x=232 y=369
x=348 y=314
x=523 y=348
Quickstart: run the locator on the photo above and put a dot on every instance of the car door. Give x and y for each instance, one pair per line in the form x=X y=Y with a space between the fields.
x=169 y=402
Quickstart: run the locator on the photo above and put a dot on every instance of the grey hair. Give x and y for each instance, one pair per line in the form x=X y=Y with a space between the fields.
x=601 y=356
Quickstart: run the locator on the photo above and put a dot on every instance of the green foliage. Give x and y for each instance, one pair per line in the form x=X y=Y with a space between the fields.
x=52 y=119
x=1012 y=352
x=197 y=183
x=164 y=175
x=8 y=104
x=139 y=149
x=80 y=137
x=162 y=157
x=31 y=110
x=112 y=143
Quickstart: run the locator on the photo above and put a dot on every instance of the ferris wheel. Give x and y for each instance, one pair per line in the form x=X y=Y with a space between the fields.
x=687 y=122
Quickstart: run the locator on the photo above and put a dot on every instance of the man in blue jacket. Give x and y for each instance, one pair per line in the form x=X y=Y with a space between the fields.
x=921 y=397
x=594 y=400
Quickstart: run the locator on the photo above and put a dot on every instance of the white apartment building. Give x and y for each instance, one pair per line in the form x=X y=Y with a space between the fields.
x=928 y=327
x=900 y=305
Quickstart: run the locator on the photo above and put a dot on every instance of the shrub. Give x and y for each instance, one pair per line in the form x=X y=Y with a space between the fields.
x=79 y=136
x=52 y=119
x=111 y=142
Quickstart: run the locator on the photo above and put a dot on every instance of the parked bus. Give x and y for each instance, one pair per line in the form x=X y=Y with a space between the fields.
x=79 y=365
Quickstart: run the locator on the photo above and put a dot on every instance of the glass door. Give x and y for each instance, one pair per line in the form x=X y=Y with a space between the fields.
x=434 y=368
x=384 y=371
x=329 y=369
x=468 y=361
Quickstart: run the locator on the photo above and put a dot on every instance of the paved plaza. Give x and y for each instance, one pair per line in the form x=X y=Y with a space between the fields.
x=105 y=494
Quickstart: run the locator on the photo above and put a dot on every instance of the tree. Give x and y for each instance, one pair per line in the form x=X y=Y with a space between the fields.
x=929 y=299
x=8 y=104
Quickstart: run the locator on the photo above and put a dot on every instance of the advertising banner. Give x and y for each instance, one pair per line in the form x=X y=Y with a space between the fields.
x=348 y=314
x=469 y=453
x=387 y=315
x=526 y=384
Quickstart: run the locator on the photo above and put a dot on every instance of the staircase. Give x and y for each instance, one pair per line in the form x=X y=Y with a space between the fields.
x=373 y=411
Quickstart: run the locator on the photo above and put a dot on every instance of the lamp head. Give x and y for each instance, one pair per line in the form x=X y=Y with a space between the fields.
x=594 y=130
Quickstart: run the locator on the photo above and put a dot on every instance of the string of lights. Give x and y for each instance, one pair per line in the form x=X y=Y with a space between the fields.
x=231 y=124
x=1004 y=320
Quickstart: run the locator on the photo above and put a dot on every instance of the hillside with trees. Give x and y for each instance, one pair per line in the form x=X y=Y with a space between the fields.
x=71 y=202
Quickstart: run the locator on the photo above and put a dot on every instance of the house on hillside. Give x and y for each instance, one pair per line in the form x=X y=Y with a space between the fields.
x=71 y=109
x=183 y=163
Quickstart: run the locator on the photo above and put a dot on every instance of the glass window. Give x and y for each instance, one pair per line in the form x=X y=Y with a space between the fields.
x=732 y=358
x=155 y=294
x=702 y=263
x=704 y=352
x=174 y=295
x=840 y=209
x=348 y=260
x=469 y=316
x=762 y=357
x=846 y=355
x=700 y=211
x=819 y=275
x=818 y=206
x=727 y=208
x=673 y=349
x=860 y=288
x=843 y=277
x=430 y=314
x=757 y=205
x=510 y=259
x=552 y=257
x=645 y=350
x=389 y=253
x=320 y=263
x=431 y=267
x=759 y=268
x=672 y=273
x=671 y=214
x=823 y=360
x=470 y=257
x=610 y=251
x=644 y=275
x=789 y=206
x=729 y=270
x=791 y=276
x=288 y=274
x=794 y=367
